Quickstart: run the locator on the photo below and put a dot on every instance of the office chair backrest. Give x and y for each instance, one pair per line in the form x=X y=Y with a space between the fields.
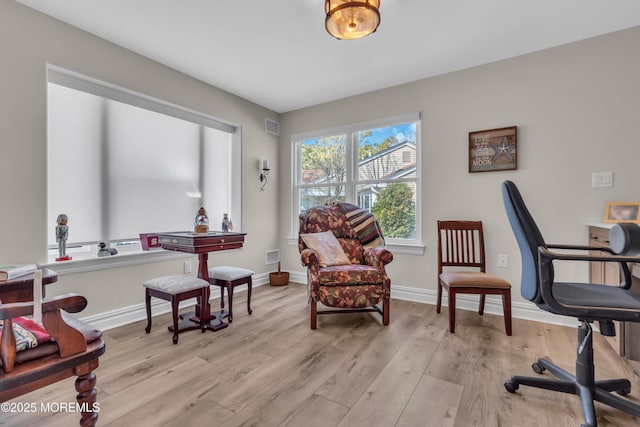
x=529 y=240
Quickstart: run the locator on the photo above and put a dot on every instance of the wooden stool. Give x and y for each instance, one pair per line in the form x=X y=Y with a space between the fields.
x=230 y=277
x=175 y=289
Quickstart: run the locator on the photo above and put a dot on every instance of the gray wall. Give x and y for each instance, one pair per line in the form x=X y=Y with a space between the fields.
x=577 y=112
x=28 y=41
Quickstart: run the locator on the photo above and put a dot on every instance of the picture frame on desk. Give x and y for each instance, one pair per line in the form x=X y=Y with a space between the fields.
x=615 y=212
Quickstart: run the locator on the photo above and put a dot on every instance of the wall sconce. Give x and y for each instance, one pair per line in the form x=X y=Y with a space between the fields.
x=264 y=173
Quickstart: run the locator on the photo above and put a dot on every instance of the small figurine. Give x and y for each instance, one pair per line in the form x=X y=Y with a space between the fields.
x=103 y=250
x=227 y=225
x=202 y=221
x=62 y=234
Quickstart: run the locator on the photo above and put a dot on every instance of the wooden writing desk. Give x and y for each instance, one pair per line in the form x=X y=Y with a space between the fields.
x=201 y=244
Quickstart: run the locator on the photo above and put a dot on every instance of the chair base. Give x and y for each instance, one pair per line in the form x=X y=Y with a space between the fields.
x=384 y=312
x=193 y=321
x=582 y=384
x=483 y=292
x=230 y=285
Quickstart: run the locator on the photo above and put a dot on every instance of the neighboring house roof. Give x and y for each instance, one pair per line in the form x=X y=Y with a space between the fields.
x=391 y=149
x=409 y=169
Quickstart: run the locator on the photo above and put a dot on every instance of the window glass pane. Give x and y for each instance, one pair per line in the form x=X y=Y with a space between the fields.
x=394 y=206
x=152 y=169
x=387 y=153
x=323 y=160
x=317 y=196
x=217 y=191
x=74 y=132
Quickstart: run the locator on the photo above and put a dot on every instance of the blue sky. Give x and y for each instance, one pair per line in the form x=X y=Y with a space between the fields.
x=401 y=132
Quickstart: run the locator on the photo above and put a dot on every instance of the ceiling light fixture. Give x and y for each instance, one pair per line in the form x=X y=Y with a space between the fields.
x=351 y=19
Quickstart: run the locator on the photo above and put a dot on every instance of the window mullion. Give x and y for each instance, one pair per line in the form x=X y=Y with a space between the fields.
x=350 y=190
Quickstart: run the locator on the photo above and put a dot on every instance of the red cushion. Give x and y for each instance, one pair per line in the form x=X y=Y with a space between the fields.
x=28 y=333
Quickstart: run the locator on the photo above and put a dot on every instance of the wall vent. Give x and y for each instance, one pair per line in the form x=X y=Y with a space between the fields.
x=272 y=127
x=272 y=256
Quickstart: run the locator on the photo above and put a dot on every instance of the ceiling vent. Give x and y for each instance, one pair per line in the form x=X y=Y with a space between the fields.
x=272 y=127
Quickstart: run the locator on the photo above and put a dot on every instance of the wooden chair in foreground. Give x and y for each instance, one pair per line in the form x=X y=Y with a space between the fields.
x=66 y=347
x=461 y=245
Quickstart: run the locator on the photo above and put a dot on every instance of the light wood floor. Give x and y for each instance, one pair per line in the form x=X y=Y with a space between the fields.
x=270 y=369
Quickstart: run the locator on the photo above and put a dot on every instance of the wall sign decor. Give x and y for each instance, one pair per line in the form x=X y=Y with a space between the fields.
x=622 y=212
x=493 y=150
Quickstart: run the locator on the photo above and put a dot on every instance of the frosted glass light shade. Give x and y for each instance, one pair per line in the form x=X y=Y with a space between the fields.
x=351 y=19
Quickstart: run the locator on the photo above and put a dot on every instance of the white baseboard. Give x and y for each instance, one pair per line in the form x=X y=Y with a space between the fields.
x=520 y=310
x=493 y=305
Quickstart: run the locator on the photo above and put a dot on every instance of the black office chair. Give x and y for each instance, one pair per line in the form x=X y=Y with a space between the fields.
x=585 y=301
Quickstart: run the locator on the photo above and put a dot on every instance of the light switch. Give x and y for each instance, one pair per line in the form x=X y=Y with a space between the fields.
x=602 y=179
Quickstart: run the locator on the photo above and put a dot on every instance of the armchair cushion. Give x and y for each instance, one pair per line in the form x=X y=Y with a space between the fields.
x=353 y=274
x=327 y=247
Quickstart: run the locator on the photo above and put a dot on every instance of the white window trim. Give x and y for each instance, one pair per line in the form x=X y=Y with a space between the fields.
x=413 y=247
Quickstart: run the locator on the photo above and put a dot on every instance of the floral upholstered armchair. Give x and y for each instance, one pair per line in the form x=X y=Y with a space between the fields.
x=343 y=249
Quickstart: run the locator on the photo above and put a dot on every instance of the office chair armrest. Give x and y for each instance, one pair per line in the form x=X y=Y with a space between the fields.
x=580 y=247
x=544 y=254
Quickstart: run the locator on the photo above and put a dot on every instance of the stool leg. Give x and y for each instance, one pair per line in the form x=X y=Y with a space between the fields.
x=174 y=311
x=203 y=299
x=249 y=296
x=222 y=296
x=230 y=296
x=147 y=299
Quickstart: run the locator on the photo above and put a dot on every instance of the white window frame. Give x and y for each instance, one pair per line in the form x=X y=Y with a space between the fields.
x=406 y=246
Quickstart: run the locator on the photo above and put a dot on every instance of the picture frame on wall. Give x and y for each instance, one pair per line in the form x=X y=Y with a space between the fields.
x=493 y=150
x=616 y=212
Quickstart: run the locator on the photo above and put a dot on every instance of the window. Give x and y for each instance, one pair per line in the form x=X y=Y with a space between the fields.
x=372 y=165
x=120 y=164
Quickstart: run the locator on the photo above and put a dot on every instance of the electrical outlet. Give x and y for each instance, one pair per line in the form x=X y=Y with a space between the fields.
x=187 y=267
x=503 y=261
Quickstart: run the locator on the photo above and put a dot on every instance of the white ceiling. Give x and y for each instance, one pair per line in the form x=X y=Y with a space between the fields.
x=277 y=53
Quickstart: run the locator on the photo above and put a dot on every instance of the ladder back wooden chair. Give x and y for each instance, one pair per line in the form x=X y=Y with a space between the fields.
x=461 y=246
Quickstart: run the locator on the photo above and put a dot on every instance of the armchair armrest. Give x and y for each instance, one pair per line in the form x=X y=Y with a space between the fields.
x=70 y=341
x=308 y=257
x=377 y=256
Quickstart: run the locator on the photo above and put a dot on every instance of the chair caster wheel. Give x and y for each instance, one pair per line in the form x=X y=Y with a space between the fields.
x=510 y=386
x=537 y=368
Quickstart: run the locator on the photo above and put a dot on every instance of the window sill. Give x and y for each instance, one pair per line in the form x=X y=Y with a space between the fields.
x=114 y=261
x=395 y=248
